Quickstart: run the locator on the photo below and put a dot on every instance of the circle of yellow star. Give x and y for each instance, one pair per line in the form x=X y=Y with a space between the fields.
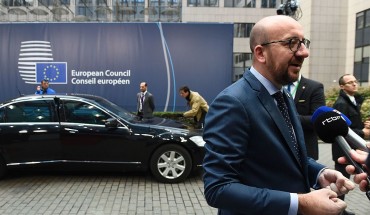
x=53 y=67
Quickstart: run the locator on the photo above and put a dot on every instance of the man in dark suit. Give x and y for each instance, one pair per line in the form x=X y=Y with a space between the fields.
x=308 y=95
x=255 y=158
x=145 y=102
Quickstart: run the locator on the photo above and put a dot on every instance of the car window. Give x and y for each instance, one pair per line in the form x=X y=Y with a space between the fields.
x=116 y=109
x=80 y=112
x=30 y=111
x=2 y=114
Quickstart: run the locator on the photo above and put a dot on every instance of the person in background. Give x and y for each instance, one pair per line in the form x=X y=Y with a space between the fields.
x=308 y=95
x=198 y=106
x=145 y=102
x=44 y=88
x=349 y=103
x=255 y=158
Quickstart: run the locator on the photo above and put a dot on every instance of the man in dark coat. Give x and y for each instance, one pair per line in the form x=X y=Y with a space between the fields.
x=308 y=96
x=349 y=103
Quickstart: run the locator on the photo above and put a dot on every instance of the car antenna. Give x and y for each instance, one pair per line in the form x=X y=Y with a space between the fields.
x=20 y=94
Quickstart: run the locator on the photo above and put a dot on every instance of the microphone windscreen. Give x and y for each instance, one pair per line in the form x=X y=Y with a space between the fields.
x=324 y=109
x=319 y=111
x=330 y=125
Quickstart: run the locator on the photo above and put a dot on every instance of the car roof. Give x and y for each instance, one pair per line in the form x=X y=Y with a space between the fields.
x=62 y=96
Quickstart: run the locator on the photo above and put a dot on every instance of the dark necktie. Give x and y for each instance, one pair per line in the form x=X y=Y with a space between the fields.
x=142 y=100
x=284 y=111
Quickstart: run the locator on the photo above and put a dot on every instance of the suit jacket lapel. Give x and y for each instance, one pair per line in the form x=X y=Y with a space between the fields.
x=296 y=125
x=280 y=123
x=269 y=103
x=297 y=128
x=300 y=89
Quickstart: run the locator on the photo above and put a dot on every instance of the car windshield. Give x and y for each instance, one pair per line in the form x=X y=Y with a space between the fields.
x=115 y=109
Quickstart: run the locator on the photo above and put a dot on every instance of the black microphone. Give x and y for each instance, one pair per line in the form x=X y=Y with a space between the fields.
x=352 y=138
x=329 y=125
x=331 y=128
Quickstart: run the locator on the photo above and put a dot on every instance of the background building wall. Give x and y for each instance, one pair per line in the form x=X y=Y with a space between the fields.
x=325 y=23
x=354 y=7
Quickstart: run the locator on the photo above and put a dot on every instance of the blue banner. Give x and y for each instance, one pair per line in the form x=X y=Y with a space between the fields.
x=111 y=59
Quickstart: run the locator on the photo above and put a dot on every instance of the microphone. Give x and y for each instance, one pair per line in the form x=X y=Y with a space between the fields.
x=324 y=109
x=356 y=141
x=329 y=125
x=352 y=138
x=331 y=128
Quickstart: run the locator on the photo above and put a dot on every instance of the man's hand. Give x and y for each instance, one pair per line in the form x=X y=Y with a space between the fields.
x=335 y=181
x=360 y=157
x=359 y=179
x=366 y=131
x=323 y=201
x=367 y=124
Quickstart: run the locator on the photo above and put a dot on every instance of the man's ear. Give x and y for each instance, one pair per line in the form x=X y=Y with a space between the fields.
x=259 y=54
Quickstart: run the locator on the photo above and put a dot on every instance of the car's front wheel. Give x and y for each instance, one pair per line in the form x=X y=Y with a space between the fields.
x=171 y=164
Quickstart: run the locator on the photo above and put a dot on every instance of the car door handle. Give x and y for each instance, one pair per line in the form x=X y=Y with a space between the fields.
x=70 y=130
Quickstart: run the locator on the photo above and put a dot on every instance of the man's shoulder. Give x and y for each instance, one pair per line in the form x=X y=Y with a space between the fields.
x=311 y=82
x=340 y=103
x=243 y=90
x=194 y=94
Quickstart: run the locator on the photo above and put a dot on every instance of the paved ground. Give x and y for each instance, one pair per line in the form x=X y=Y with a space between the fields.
x=96 y=194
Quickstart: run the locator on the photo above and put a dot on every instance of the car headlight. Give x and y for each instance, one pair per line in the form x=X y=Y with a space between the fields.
x=198 y=140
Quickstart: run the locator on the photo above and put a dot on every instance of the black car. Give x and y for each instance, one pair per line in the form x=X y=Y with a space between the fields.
x=85 y=132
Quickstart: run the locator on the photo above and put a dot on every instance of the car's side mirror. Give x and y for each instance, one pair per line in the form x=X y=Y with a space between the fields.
x=111 y=123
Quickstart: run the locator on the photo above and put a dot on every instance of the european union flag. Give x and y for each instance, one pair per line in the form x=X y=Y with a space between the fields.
x=55 y=72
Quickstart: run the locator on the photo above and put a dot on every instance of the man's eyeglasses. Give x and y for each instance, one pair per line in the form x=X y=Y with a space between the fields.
x=351 y=82
x=294 y=43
